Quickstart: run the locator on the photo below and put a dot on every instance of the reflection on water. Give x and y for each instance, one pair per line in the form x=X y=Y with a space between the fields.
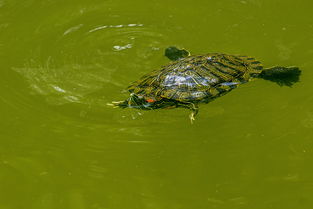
x=63 y=147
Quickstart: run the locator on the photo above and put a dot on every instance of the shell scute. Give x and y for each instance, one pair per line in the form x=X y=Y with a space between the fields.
x=196 y=78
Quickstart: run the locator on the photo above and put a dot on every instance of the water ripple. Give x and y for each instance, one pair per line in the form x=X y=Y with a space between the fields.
x=86 y=62
x=114 y=26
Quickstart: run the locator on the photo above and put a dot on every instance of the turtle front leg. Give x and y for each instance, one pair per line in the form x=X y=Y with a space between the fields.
x=116 y=104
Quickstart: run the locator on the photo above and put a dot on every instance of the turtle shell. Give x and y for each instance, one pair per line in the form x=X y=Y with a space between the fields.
x=197 y=78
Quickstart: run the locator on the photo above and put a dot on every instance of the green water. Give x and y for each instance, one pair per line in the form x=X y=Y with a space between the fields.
x=62 y=147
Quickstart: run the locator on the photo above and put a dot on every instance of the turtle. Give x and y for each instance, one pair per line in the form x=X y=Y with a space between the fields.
x=189 y=80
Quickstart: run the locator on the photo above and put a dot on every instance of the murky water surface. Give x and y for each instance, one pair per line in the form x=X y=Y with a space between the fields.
x=63 y=147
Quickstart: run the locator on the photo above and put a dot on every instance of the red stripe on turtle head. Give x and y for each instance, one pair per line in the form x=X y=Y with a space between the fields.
x=150 y=100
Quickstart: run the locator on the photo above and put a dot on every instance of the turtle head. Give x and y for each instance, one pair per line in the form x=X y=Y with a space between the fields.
x=138 y=102
x=134 y=100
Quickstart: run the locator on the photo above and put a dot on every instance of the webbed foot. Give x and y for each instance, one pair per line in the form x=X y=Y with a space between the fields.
x=192 y=117
x=195 y=109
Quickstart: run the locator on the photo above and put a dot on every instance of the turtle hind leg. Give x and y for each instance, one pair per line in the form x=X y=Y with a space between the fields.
x=194 y=110
x=283 y=76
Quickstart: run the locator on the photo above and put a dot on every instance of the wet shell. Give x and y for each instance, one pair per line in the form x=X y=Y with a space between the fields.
x=197 y=78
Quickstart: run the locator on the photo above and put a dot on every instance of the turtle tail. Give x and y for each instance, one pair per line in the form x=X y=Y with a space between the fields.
x=283 y=76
